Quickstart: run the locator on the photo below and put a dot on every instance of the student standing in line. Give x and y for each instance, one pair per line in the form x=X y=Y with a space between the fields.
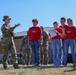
x=70 y=33
x=75 y=50
x=63 y=27
x=34 y=35
x=56 y=44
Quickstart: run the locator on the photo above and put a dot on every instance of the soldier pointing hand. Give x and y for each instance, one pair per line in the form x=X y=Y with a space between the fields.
x=8 y=42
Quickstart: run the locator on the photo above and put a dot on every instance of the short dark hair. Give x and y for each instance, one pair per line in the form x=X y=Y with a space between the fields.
x=35 y=20
x=63 y=18
x=55 y=23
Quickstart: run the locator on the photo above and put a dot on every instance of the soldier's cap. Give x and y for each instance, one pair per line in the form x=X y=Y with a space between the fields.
x=35 y=20
x=5 y=17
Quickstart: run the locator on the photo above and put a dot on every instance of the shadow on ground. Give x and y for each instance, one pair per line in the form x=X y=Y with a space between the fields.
x=71 y=70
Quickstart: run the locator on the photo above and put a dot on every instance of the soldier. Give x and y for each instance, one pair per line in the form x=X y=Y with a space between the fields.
x=44 y=47
x=8 y=42
x=26 y=50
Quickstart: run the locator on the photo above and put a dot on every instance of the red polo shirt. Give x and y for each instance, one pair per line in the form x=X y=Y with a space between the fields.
x=57 y=36
x=70 y=32
x=34 y=33
x=63 y=31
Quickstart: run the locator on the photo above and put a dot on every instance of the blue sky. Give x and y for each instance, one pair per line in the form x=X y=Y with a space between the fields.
x=46 y=11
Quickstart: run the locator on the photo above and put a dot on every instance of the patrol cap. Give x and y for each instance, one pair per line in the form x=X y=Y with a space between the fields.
x=5 y=17
x=35 y=20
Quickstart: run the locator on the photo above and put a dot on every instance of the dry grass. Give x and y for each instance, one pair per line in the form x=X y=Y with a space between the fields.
x=42 y=70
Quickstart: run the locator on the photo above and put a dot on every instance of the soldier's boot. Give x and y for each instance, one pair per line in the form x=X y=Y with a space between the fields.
x=16 y=66
x=28 y=63
x=5 y=66
x=28 y=60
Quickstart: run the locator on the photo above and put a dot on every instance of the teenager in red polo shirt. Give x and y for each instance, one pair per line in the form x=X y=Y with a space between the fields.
x=34 y=34
x=63 y=27
x=56 y=44
x=70 y=32
x=63 y=21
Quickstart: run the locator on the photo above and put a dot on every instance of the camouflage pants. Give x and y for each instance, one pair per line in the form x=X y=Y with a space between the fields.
x=26 y=56
x=7 y=46
x=44 y=55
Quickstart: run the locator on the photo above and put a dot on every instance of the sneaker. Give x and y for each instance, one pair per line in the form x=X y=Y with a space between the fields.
x=37 y=65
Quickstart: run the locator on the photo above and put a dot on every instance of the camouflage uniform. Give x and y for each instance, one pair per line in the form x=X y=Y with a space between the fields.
x=8 y=44
x=26 y=50
x=44 y=48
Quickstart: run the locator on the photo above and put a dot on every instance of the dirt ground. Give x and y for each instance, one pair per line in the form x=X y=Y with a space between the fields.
x=41 y=70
